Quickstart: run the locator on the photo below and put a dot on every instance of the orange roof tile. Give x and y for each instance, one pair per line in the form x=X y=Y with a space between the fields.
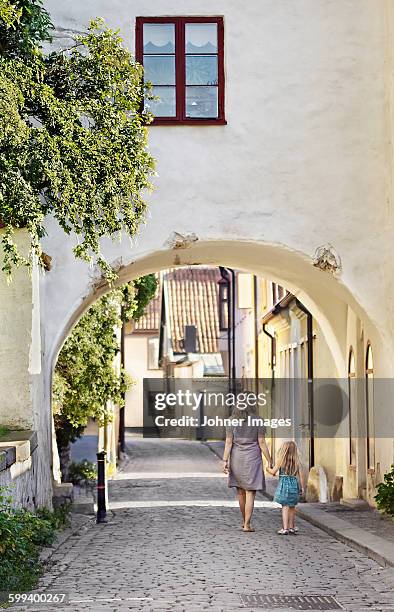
x=192 y=299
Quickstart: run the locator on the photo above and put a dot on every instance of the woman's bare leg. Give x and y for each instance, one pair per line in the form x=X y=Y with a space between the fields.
x=242 y=501
x=285 y=517
x=249 y=506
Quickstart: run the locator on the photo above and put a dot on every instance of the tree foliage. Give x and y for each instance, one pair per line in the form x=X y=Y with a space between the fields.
x=136 y=297
x=85 y=378
x=24 y=24
x=73 y=141
x=9 y=15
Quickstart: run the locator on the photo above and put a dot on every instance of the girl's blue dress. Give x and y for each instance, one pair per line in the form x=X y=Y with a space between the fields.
x=287 y=492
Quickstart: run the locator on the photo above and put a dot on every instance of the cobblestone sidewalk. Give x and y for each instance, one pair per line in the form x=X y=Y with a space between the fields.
x=193 y=558
x=369 y=520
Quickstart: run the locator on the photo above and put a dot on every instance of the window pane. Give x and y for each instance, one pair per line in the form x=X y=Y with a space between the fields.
x=201 y=70
x=153 y=353
x=201 y=37
x=370 y=422
x=159 y=69
x=202 y=102
x=166 y=105
x=159 y=38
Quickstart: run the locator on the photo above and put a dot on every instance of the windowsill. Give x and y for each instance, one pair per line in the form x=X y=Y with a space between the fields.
x=200 y=122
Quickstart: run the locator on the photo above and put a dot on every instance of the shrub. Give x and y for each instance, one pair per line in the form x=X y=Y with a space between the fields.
x=385 y=495
x=22 y=535
x=82 y=473
x=4 y=430
x=58 y=518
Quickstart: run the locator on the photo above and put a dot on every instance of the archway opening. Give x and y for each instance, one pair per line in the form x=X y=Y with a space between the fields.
x=305 y=290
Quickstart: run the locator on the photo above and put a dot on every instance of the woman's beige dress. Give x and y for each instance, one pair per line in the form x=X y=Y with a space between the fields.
x=246 y=464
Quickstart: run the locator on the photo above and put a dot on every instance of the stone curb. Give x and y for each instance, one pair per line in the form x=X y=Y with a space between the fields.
x=372 y=546
x=79 y=522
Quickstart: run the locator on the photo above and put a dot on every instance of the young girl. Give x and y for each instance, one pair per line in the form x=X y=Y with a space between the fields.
x=290 y=479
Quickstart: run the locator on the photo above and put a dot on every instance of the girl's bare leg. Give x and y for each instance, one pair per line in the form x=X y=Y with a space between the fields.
x=249 y=506
x=242 y=501
x=291 y=517
x=285 y=517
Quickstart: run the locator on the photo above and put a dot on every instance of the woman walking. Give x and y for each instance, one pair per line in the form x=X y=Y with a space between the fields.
x=243 y=462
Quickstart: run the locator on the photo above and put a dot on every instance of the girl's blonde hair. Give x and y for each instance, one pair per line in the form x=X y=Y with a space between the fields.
x=289 y=458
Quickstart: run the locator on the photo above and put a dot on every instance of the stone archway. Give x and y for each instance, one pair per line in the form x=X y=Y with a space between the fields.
x=324 y=294
x=71 y=287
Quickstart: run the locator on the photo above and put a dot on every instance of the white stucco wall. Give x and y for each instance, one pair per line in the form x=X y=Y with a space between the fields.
x=24 y=398
x=16 y=330
x=136 y=365
x=302 y=161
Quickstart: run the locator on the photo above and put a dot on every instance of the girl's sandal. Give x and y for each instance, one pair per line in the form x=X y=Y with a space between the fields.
x=283 y=532
x=247 y=529
x=293 y=531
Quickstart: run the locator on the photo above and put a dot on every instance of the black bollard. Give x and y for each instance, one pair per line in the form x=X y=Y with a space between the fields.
x=101 y=506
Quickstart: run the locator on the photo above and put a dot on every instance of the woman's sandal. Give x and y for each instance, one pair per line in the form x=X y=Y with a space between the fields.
x=293 y=531
x=283 y=532
x=247 y=529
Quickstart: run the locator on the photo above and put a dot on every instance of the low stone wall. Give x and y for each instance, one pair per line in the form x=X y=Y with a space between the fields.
x=22 y=488
x=20 y=468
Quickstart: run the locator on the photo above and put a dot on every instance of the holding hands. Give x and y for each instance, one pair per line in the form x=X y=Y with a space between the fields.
x=271 y=468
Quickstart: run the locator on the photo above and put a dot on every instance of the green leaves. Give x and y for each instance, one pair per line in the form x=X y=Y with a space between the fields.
x=82 y=473
x=22 y=534
x=73 y=144
x=385 y=494
x=86 y=380
x=23 y=25
x=9 y=14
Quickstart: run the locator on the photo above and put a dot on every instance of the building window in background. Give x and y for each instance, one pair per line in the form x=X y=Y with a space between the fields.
x=352 y=407
x=369 y=400
x=183 y=59
x=223 y=305
x=153 y=353
x=278 y=292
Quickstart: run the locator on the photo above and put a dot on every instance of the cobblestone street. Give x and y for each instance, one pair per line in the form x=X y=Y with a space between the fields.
x=156 y=555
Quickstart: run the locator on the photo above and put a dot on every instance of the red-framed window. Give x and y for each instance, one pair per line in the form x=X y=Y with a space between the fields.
x=183 y=58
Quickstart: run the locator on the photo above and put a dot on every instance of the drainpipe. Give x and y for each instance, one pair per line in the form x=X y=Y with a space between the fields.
x=225 y=276
x=256 y=331
x=121 y=443
x=233 y=371
x=273 y=363
x=273 y=349
x=310 y=382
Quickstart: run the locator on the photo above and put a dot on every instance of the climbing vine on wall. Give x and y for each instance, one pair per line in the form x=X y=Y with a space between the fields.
x=86 y=376
x=73 y=141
